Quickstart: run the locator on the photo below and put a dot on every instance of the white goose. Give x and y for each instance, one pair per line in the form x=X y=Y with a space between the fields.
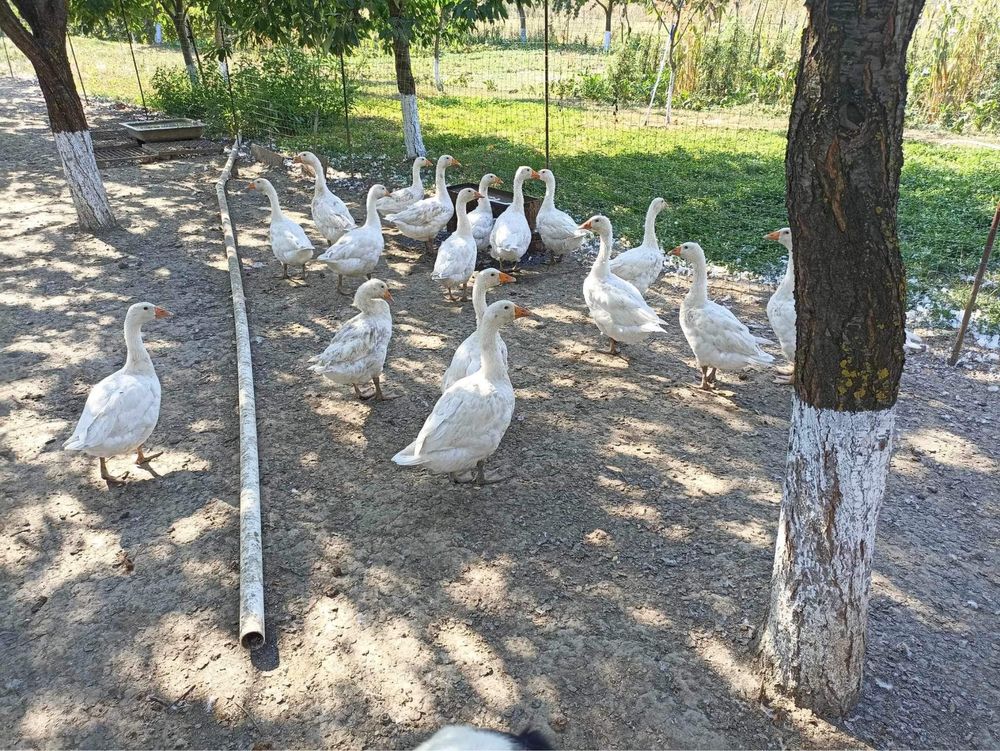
x=356 y=353
x=121 y=411
x=719 y=340
x=616 y=306
x=469 y=420
x=357 y=252
x=329 y=213
x=781 y=306
x=456 y=258
x=511 y=235
x=481 y=217
x=559 y=231
x=424 y=219
x=642 y=265
x=289 y=242
x=402 y=198
x=466 y=359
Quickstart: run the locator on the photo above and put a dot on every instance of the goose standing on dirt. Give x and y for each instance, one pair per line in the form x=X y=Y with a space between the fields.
x=559 y=231
x=424 y=219
x=121 y=410
x=467 y=737
x=469 y=420
x=468 y=355
x=357 y=252
x=329 y=213
x=616 y=306
x=481 y=217
x=511 y=235
x=456 y=258
x=781 y=306
x=642 y=265
x=719 y=340
x=356 y=353
x=402 y=198
x=289 y=242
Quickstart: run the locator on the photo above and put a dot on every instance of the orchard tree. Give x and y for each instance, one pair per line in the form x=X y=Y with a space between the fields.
x=842 y=171
x=573 y=7
x=38 y=28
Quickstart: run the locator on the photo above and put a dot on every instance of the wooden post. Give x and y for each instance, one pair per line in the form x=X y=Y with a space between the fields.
x=990 y=239
x=546 y=84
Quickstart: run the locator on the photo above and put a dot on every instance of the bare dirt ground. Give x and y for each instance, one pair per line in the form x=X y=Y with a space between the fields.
x=605 y=593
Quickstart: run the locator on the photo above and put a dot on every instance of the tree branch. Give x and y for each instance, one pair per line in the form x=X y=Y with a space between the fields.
x=19 y=35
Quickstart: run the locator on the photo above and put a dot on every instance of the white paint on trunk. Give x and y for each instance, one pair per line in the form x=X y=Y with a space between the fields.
x=224 y=70
x=438 y=83
x=411 y=126
x=158 y=33
x=76 y=151
x=669 y=112
x=656 y=83
x=813 y=643
x=607 y=41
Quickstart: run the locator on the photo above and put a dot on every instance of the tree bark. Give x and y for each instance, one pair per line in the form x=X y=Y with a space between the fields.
x=45 y=46
x=220 y=43
x=668 y=114
x=842 y=171
x=178 y=14
x=523 y=19
x=608 y=12
x=438 y=83
x=405 y=84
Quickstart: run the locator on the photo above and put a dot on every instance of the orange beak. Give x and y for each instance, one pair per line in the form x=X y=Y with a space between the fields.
x=520 y=312
x=535 y=175
x=297 y=159
x=477 y=195
x=772 y=235
x=587 y=225
x=455 y=162
x=676 y=251
x=497 y=181
x=251 y=186
x=506 y=278
x=387 y=296
x=161 y=312
x=428 y=162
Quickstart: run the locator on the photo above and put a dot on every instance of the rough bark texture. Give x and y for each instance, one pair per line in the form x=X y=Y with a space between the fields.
x=178 y=14
x=843 y=164
x=405 y=83
x=608 y=13
x=523 y=19
x=45 y=46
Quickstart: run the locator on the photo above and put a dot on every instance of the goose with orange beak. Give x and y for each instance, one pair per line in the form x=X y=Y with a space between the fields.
x=719 y=340
x=329 y=213
x=456 y=258
x=559 y=231
x=481 y=217
x=122 y=409
x=616 y=306
x=467 y=357
x=470 y=419
x=403 y=198
x=781 y=305
x=511 y=235
x=289 y=242
x=356 y=354
x=424 y=219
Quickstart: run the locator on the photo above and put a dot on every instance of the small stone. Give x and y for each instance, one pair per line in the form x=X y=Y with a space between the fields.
x=37 y=604
x=972 y=604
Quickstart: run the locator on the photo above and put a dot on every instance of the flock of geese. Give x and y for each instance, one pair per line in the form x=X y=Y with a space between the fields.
x=476 y=405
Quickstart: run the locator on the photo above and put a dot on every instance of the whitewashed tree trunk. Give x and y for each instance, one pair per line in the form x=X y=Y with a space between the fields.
x=438 y=83
x=523 y=19
x=656 y=83
x=412 y=139
x=668 y=113
x=158 y=33
x=76 y=151
x=813 y=642
x=606 y=46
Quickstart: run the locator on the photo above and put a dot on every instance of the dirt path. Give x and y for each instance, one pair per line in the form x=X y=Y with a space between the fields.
x=605 y=592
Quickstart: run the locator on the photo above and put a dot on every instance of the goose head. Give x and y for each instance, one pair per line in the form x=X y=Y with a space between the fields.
x=503 y=312
x=422 y=161
x=489 y=180
x=599 y=224
x=259 y=183
x=546 y=176
x=658 y=204
x=373 y=289
x=783 y=236
x=447 y=160
x=377 y=191
x=305 y=157
x=468 y=194
x=491 y=278
x=525 y=172
x=690 y=252
x=143 y=312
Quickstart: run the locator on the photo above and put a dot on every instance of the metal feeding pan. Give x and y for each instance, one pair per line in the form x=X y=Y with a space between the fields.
x=173 y=129
x=499 y=201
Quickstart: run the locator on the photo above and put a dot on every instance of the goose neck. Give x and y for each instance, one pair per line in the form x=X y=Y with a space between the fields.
x=462 y=227
x=371 y=213
x=491 y=362
x=698 y=294
x=479 y=299
x=417 y=182
x=137 y=359
x=272 y=196
x=439 y=182
x=649 y=229
x=549 y=202
x=602 y=263
x=788 y=280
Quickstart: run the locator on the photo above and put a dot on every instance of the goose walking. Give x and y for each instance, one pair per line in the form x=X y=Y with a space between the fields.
x=403 y=198
x=467 y=356
x=511 y=235
x=456 y=258
x=642 y=265
x=469 y=420
x=330 y=214
x=356 y=353
x=481 y=217
x=616 y=306
x=122 y=410
x=357 y=252
x=781 y=306
x=289 y=242
x=719 y=340
x=559 y=231
x=424 y=219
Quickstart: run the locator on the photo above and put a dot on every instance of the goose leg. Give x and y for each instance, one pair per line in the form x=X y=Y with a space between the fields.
x=362 y=396
x=284 y=271
x=378 y=391
x=481 y=478
x=451 y=295
x=711 y=376
x=141 y=458
x=429 y=245
x=465 y=291
x=340 y=285
x=552 y=259
x=706 y=383
x=614 y=348
x=109 y=478
x=303 y=271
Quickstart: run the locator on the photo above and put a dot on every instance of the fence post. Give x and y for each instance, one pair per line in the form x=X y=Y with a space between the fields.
x=194 y=46
x=546 y=84
x=78 y=73
x=990 y=239
x=128 y=35
x=347 y=116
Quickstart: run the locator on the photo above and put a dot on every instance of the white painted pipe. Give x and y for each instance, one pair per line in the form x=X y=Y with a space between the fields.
x=251 y=554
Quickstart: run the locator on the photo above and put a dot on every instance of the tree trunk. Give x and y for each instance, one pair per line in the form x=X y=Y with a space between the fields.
x=438 y=83
x=178 y=14
x=668 y=114
x=656 y=83
x=220 y=43
x=523 y=19
x=608 y=11
x=405 y=84
x=45 y=46
x=842 y=169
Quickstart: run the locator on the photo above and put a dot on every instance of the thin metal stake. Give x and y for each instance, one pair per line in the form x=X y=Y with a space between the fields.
x=138 y=78
x=546 y=84
x=347 y=115
x=194 y=46
x=78 y=73
x=990 y=239
x=229 y=80
x=5 y=52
